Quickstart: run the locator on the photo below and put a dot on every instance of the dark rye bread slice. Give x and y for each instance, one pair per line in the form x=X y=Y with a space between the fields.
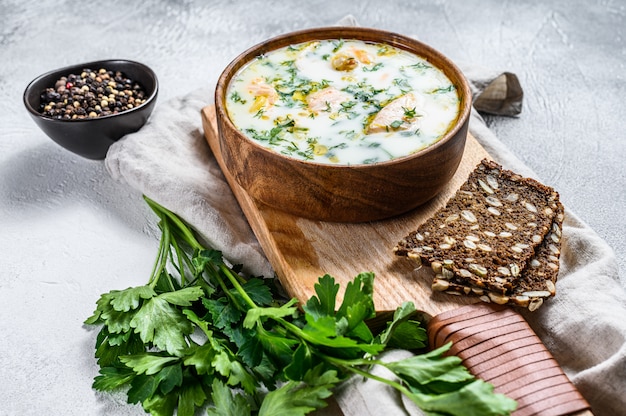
x=538 y=280
x=488 y=231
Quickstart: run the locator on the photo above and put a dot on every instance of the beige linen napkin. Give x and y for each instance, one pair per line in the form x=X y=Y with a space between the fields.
x=169 y=161
x=583 y=326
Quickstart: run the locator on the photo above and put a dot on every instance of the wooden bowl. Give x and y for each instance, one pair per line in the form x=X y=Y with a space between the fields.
x=342 y=193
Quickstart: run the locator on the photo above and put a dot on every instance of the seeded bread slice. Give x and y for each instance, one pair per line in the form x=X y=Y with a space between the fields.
x=538 y=280
x=488 y=231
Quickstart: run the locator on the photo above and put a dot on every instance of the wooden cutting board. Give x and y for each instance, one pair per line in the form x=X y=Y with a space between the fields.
x=302 y=250
x=495 y=343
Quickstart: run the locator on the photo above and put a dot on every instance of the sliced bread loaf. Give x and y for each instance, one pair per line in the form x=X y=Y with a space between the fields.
x=537 y=281
x=488 y=234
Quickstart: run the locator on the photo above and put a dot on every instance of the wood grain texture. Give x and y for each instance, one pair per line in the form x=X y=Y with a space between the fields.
x=301 y=250
x=496 y=344
x=336 y=192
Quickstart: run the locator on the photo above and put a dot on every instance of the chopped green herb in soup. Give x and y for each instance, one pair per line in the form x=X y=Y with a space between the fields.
x=342 y=102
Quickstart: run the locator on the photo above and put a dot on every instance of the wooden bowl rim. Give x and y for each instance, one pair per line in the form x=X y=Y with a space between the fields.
x=348 y=32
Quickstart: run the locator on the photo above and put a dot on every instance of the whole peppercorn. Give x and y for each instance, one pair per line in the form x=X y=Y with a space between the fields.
x=91 y=94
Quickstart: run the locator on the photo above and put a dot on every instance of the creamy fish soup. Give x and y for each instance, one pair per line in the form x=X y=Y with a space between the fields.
x=342 y=102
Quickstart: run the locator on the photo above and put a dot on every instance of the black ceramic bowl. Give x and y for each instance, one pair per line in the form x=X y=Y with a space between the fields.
x=91 y=137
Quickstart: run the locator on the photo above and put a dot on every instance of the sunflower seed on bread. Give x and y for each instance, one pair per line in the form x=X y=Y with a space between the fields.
x=498 y=238
x=537 y=281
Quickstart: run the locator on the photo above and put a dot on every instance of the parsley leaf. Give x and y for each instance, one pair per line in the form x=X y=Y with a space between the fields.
x=324 y=304
x=254 y=315
x=160 y=323
x=210 y=337
x=403 y=332
x=227 y=402
x=200 y=358
x=295 y=399
x=111 y=378
x=130 y=298
x=147 y=363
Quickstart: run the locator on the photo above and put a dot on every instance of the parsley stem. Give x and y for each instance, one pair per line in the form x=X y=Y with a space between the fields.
x=151 y=328
x=303 y=335
x=391 y=383
x=180 y=256
x=163 y=256
x=213 y=271
x=171 y=228
x=159 y=261
x=187 y=234
x=352 y=366
x=235 y=282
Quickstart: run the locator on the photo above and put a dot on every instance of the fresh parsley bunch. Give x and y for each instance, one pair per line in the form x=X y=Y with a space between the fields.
x=200 y=335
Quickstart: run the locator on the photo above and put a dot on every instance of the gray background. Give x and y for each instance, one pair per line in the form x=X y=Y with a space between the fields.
x=69 y=233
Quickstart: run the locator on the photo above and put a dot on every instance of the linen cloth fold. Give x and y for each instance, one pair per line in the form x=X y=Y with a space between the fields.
x=169 y=161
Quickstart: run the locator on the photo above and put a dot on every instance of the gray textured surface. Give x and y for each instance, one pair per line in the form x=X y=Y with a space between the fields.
x=69 y=233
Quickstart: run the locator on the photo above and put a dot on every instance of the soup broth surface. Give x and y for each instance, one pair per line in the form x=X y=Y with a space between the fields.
x=342 y=102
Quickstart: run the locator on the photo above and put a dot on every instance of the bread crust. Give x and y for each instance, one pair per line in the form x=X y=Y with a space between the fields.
x=498 y=238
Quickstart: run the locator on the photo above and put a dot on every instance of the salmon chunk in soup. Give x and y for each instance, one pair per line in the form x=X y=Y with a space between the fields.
x=342 y=102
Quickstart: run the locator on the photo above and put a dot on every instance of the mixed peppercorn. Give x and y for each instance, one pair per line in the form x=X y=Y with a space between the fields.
x=91 y=94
